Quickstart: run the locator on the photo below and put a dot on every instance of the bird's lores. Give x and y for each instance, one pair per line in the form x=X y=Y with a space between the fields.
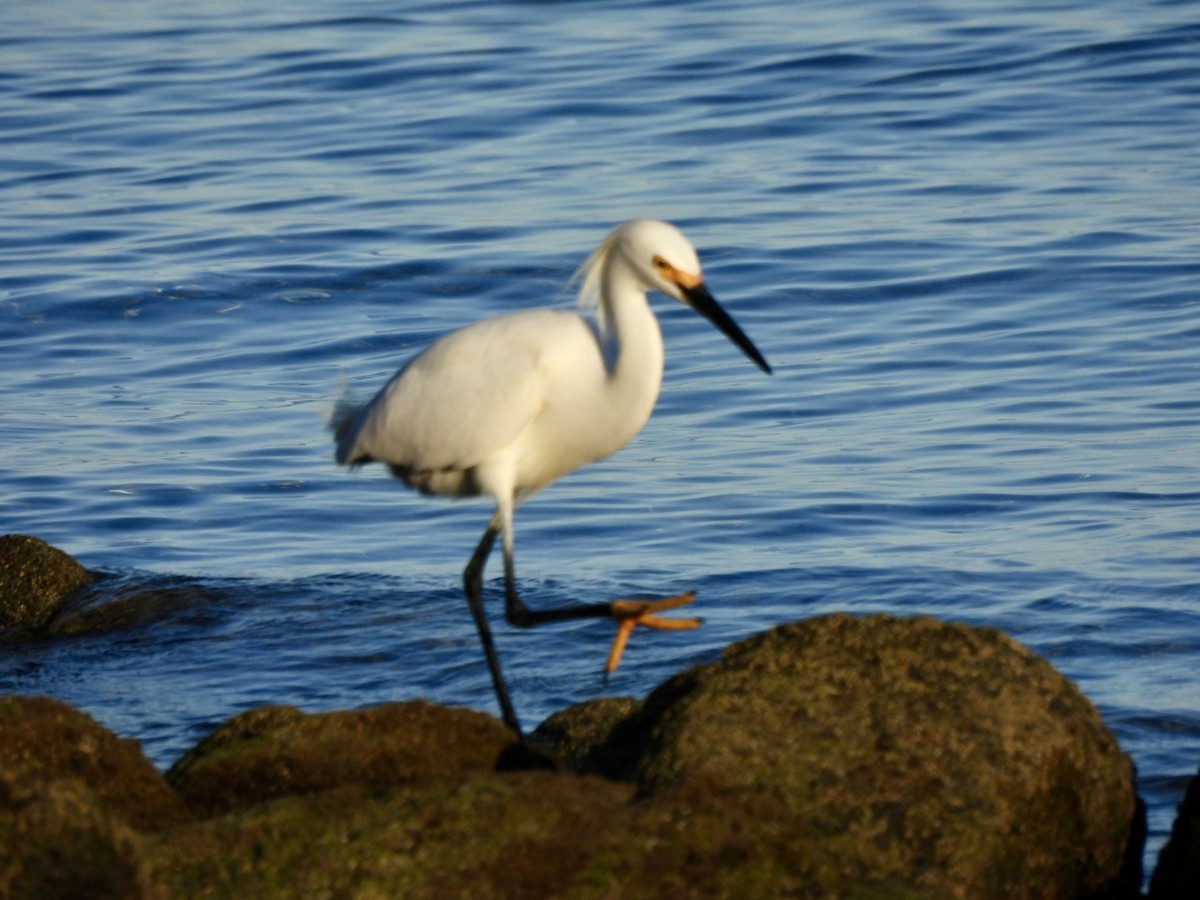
x=506 y=405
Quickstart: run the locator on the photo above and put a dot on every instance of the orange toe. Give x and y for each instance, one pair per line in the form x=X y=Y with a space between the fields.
x=632 y=613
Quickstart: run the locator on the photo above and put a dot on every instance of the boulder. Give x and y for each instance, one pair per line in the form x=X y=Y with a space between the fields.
x=35 y=579
x=579 y=733
x=49 y=740
x=841 y=756
x=279 y=751
x=939 y=757
x=59 y=839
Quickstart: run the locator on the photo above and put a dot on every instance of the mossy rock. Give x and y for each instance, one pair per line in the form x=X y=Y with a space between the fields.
x=942 y=757
x=278 y=750
x=59 y=839
x=857 y=757
x=50 y=740
x=35 y=579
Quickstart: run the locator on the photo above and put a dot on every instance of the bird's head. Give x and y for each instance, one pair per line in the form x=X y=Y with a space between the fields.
x=662 y=257
x=665 y=260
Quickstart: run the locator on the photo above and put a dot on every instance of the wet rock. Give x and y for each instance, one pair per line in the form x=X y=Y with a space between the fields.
x=277 y=751
x=135 y=601
x=943 y=758
x=1177 y=876
x=35 y=579
x=52 y=740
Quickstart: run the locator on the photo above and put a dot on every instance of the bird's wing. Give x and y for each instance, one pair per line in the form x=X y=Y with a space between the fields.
x=465 y=398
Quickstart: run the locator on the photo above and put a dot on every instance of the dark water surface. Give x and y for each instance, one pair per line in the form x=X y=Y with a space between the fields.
x=965 y=236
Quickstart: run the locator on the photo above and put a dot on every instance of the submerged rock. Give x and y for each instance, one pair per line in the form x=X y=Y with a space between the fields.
x=35 y=579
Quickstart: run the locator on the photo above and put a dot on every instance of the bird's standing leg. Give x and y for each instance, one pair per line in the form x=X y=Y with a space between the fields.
x=473 y=587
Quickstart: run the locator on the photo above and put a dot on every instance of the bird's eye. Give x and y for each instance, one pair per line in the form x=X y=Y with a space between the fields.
x=661 y=264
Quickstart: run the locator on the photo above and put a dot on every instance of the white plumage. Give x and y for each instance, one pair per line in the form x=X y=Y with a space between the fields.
x=507 y=405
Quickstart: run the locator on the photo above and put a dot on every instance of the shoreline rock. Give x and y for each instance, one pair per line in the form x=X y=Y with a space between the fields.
x=942 y=757
x=35 y=580
x=837 y=756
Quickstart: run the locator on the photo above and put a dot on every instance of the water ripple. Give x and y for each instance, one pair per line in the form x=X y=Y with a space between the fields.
x=964 y=236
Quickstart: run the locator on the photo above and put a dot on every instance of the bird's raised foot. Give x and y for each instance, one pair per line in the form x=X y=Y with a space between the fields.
x=632 y=613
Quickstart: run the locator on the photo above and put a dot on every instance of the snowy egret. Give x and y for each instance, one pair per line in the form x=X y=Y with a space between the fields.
x=507 y=405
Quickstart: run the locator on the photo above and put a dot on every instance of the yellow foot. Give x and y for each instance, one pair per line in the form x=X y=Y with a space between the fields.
x=632 y=613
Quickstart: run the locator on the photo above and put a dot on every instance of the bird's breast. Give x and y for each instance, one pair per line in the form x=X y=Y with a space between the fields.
x=584 y=418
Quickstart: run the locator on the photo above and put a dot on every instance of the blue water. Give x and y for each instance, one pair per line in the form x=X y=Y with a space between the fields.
x=964 y=234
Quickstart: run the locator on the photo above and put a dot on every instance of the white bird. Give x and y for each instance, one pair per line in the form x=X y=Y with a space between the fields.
x=505 y=406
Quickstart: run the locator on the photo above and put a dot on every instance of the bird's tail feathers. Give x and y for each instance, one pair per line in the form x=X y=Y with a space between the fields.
x=340 y=417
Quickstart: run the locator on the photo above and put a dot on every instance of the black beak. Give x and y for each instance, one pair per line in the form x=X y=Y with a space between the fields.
x=699 y=299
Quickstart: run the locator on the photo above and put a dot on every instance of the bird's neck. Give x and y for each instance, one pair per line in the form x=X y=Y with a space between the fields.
x=635 y=347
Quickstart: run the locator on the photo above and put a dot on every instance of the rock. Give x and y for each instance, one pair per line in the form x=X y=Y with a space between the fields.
x=579 y=731
x=841 y=756
x=35 y=579
x=58 y=839
x=121 y=604
x=51 y=740
x=943 y=758
x=398 y=800
x=1177 y=876
x=485 y=835
x=277 y=751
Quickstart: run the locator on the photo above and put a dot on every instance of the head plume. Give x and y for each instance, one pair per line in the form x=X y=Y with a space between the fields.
x=589 y=274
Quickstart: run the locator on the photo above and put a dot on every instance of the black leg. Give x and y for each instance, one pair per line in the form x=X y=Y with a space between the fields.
x=626 y=613
x=473 y=586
